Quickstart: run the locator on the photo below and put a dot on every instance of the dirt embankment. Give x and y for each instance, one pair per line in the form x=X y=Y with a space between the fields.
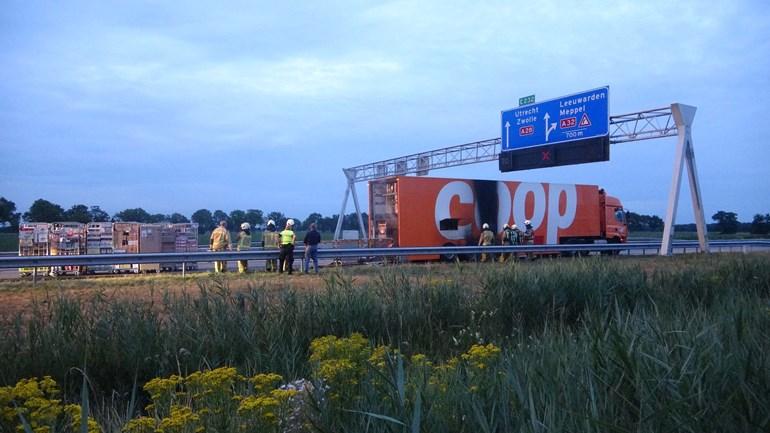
x=19 y=296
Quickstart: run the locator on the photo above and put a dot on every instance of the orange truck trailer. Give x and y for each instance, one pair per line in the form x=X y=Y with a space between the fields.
x=409 y=211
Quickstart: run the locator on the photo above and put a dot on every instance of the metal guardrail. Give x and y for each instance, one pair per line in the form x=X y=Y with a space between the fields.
x=334 y=253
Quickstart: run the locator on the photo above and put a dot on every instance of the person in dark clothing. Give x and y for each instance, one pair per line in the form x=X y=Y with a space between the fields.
x=311 y=241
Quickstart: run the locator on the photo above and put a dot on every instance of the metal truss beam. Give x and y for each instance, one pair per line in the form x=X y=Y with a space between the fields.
x=421 y=163
x=641 y=125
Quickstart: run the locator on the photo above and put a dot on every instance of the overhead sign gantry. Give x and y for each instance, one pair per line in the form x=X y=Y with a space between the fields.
x=591 y=144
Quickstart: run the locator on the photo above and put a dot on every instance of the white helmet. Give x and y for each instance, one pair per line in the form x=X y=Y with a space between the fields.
x=270 y=222
x=527 y=223
x=245 y=226
x=505 y=226
x=290 y=222
x=513 y=227
x=485 y=226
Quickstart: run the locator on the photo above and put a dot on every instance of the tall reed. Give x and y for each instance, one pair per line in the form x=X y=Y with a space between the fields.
x=588 y=344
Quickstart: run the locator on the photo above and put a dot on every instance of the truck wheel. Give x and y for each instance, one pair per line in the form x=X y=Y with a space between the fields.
x=617 y=242
x=613 y=241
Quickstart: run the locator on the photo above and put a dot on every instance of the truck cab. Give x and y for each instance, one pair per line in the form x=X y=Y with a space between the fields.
x=614 y=216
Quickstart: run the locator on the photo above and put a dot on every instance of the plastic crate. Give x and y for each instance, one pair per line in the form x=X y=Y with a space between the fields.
x=33 y=241
x=99 y=241
x=67 y=239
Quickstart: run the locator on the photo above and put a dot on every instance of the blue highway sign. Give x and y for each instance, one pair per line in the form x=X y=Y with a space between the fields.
x=569 y=118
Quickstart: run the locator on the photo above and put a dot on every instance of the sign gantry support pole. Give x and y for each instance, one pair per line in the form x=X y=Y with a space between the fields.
x=683 y=117
x=350 y=174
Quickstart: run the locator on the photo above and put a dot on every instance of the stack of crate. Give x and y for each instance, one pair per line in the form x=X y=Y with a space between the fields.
x=33 y=241
x=187 y=240
x=150 y=241
x=99 y=241
x=66 y=239
x=168 y=245
x=125 y=240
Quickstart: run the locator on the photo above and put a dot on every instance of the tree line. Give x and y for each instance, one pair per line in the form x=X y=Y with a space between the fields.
x=46 y=211
x=724 y=222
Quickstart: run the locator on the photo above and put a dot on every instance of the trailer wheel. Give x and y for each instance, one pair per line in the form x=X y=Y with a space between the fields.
x=449 y=258
x=582 y=253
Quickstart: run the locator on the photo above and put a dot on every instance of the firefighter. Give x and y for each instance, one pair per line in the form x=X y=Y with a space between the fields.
x=486 y=238
x=287 y=239
x=244 y=244
x=516 y=236
x=220 y=241
x=529 y=236
x=270 y=241
x=505 y=239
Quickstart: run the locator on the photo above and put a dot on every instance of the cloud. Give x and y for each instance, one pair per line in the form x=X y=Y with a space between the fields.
x=295 y=76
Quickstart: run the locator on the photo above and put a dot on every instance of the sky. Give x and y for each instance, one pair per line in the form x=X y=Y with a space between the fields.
x=177 y=106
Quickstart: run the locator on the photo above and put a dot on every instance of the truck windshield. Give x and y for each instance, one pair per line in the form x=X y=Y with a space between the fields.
x=620 y=215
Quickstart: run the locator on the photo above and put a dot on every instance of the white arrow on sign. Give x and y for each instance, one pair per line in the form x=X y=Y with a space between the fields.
x=507 y=134
x=548 y=129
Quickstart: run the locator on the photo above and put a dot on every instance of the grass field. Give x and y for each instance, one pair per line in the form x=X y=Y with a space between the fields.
x=9 y=242
x=579 y=345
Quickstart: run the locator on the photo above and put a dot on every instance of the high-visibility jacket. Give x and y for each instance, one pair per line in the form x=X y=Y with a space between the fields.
x=516 y=237
x=287 y=237
x=487 y=238
x=270 y=239
x=529 y=235
x=244 y=241
x=220 y=239
x=508 y=237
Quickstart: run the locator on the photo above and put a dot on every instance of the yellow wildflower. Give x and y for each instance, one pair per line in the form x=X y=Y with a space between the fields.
x=159 y=387
x=283 y=395
x=180 y=419
x=421 y=361
x=265 y=382
x=140 y=425
x=261 y=409
x=341 y=363
x=480 y=356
